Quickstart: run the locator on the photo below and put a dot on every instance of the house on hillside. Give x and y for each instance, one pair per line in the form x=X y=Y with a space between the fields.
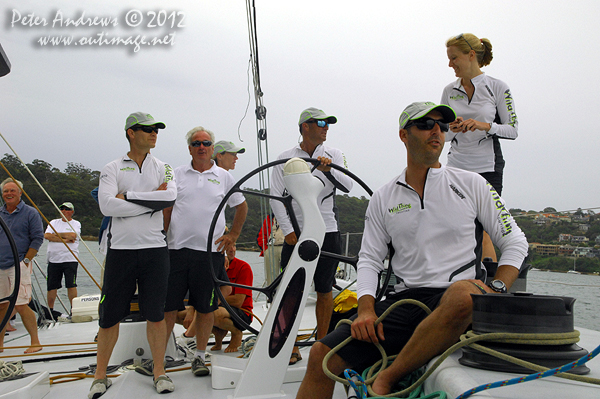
x=579 y=239
x=565 y=250
x=565 y=237
x=581 y=252
x=544 y=249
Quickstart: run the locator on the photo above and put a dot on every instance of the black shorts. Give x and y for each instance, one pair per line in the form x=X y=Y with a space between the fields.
x=55 y=274
x=398 y=327
x=190 y=272
x=495 y=179
x=149 y=268
x=326 y=267
x=243 y=315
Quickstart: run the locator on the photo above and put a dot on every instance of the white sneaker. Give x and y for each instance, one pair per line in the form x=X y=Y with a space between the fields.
x=99 y=387
x=188 y=344
x=163 y=384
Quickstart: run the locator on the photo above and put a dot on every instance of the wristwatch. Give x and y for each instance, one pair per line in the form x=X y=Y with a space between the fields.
x=498 y=286
x=26 y=261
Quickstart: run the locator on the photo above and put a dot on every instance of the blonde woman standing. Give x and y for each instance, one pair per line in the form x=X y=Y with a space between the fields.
x=485 y=114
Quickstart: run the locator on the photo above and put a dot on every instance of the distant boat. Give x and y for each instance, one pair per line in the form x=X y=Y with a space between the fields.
x=574 y=271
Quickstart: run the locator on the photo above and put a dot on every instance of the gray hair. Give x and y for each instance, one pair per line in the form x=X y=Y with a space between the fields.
x=190 y=134
x=9 y=180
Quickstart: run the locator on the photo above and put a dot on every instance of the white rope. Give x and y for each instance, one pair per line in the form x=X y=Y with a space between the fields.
x=9 y=370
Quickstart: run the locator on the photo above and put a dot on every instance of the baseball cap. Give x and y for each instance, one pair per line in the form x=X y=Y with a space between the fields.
x=67 y=205
x=420 y=109
x=142 y=118
x=313 y=113
x=227 y=146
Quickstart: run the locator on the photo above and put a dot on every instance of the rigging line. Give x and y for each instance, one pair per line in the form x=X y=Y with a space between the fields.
x=254 y=38
x=260 y=110
x=55 y=206
x=249 y=98
x=44 y=217
x=46 y=220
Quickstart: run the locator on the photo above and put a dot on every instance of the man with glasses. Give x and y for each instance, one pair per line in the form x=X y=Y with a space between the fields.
x=201 y=185
x=133 y=191
x=63 y=247
x=434 y=217
x=314 y=126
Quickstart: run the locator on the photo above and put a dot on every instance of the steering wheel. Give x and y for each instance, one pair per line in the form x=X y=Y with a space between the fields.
x=12 y=298
x=286 y=200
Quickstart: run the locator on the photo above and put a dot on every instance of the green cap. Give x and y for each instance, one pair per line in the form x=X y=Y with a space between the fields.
x=314 y=113
x=420 y=109
x=142 y=118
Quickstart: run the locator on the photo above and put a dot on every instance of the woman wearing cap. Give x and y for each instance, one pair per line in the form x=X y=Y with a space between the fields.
x=485 y=114
x=225 y=154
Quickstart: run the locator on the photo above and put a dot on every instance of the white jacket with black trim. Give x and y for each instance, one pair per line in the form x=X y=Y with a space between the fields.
x=137 y=222
x=479 y=151
x=436 y=238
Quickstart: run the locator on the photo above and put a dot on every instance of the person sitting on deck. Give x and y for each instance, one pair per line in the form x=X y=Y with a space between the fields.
x=434 y=217
x=240 y=300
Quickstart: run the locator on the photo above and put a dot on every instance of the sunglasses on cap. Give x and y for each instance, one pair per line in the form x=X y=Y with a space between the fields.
x=198 y=143
x=462 y=37
x=319 y=122
x=427 y=124
x=147 y=129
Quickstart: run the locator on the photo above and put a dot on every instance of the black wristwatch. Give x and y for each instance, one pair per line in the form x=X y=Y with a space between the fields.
x=498 y=286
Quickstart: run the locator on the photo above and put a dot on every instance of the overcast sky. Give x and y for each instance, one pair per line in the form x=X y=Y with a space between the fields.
x=360 y=61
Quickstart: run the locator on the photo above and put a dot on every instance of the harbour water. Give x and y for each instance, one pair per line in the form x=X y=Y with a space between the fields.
x=584 y=288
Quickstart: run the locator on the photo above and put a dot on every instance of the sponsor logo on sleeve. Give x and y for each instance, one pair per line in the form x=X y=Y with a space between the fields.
x=504 y=217
x=512 y=115
x=168 y=173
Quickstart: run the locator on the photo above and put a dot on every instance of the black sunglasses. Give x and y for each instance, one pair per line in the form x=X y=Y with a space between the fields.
x=319 y=122
x=64 y=208
x=198 y=143
x=147 y=129
x=462 y=37
x=427 y=124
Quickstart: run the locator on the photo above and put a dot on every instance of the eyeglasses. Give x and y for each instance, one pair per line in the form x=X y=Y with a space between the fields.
x=64 y=208
x=319 y=122
x=462 y=37
x=198 y=143
x=427 y=124
x=147 y=129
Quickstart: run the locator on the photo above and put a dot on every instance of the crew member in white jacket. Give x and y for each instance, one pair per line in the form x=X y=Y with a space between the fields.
x=434 y=217
x=314 y=126
x=134 y=190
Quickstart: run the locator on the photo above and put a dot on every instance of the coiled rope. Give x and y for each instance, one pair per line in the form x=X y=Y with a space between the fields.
x=9 y=370
x=470 y=339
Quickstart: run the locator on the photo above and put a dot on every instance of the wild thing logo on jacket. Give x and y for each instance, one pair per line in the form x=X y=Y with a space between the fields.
x=400 y=208
x=512 y=116
x=504 y=216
